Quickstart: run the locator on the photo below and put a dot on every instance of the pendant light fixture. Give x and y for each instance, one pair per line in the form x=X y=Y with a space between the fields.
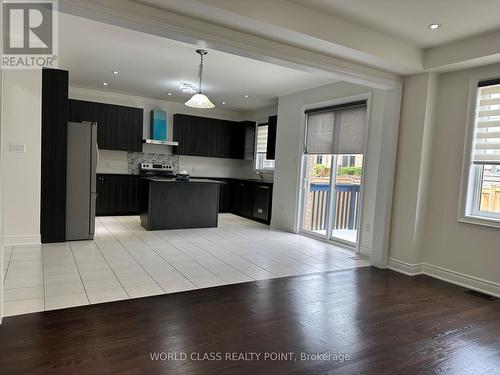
x=200 y=100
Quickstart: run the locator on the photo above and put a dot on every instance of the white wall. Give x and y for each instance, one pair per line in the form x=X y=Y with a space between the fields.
x=21 y=123
x=261 y=115
x=465 y=254
x=116 y=161
x=290 y=137
x=412 y=171
x=465 y=248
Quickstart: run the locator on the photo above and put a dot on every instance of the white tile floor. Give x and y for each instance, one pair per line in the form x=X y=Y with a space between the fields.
x=125 y=261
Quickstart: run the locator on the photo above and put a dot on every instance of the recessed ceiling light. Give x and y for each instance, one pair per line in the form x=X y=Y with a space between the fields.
x=245 y=96
x=169 y=93
x=105 y=83
x=223 y=102
x=115 y=72
x=434 y=26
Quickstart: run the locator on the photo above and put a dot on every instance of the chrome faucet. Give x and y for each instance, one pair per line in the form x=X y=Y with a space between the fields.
x=260 y=174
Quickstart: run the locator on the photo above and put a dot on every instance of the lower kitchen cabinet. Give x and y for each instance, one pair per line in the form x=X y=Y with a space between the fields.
x=251 y=199
x=224 y=198
x=118 y=194
x=262 y=197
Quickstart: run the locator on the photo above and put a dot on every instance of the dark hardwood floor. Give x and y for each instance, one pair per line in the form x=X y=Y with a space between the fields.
x=386 y=322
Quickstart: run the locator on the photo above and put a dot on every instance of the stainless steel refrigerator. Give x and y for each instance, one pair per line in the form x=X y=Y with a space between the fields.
x=81 y=180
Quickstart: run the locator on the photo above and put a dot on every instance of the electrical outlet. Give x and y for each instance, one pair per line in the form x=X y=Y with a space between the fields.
x=368 y=228
x=17 y=147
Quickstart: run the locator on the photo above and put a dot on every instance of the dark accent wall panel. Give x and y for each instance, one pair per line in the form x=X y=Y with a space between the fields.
x=54 y=153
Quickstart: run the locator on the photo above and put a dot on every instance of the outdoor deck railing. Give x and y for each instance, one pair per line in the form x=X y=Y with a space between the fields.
x=346 y=207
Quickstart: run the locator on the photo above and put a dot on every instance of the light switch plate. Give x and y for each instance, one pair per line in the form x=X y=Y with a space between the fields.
x=17 y=147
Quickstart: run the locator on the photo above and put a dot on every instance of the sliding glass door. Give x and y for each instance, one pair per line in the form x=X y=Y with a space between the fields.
x=332 y=172
x=346 y=199
x=331 y=196
x=317 y=193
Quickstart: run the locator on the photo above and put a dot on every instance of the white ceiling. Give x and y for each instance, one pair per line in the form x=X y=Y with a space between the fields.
x=151 y=66
x=408 y=19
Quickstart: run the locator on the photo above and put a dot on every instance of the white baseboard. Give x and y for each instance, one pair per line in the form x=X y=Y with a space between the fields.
x=450 y=276
x=466 y=281
x=408 y=269
x=365 y=251
x=21 y=240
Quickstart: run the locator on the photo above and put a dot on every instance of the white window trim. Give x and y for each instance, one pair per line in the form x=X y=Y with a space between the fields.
x=268 y=171
x=467 y=213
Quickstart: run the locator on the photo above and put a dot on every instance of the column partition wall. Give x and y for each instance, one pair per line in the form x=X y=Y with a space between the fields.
x=332 y=171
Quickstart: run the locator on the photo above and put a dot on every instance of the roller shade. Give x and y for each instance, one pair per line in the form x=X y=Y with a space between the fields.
x=487 y=130
x=262 y=138
x=336 y=130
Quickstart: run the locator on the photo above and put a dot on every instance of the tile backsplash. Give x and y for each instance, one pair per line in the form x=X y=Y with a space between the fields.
x=134 y=159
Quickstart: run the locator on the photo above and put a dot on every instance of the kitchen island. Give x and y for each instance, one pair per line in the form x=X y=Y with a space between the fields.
x=170 y=204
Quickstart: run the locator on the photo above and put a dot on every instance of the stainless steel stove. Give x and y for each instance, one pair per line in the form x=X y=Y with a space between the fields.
x=152 y=169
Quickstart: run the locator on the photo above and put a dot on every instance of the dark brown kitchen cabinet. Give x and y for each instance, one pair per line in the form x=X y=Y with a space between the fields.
x=249 y=140
x=118 y=127
x=190 y=133
x=262 y=201
x=224 y=198
x=271 y=138
x=208 y=137
x=211 y=137
x=118 y=195
x=251 y=199
x=232 y=140
x=241 y=198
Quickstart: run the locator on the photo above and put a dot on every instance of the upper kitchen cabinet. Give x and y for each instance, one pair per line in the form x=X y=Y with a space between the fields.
x=249 y=148
x=202 y=136
x=232 y=140
x=271 y=138
x=185 y=127
x=118 y=127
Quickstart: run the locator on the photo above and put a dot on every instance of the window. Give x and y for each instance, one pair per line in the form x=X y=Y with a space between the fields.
x=348 y=161
x=483 y=187
x=261 y=163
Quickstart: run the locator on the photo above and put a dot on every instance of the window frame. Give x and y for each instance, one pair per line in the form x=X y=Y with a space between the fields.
x=470 y=187
x=255 y=167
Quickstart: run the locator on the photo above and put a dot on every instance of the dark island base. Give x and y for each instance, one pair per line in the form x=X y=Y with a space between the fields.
x=170 y=204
